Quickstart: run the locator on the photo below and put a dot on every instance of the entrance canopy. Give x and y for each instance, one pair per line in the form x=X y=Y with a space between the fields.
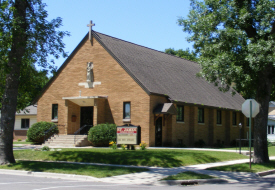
x=84 y=100
x=166 y=108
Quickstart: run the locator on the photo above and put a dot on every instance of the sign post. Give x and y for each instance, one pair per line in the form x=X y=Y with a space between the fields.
x=250 y=108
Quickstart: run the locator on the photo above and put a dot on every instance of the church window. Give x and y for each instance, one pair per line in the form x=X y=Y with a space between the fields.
x=180 y=113
x=201 y=115
x=54 y=111
x=126 y=110
x=219 y=117
x=234 y=118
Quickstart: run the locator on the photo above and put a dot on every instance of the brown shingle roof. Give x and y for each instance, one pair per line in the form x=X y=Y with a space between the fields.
x=161 y=73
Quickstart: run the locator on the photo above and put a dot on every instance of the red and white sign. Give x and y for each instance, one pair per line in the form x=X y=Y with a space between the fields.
x=127 y=135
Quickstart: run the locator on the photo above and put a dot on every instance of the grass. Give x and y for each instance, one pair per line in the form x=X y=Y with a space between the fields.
x=271 y=151
x=245 y=167
x=22 y=142
x=188 y=176
x=149 y=157
x=90 y=170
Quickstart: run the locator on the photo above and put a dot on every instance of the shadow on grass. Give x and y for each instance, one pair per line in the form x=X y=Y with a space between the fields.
x=91 y=170
x=137 y=158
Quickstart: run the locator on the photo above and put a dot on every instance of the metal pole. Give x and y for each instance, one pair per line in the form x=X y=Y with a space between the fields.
x=250 y=119
x=240 y=142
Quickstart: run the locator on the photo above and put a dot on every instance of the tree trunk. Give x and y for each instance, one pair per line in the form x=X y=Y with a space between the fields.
x=9 y=99
x=260 y=124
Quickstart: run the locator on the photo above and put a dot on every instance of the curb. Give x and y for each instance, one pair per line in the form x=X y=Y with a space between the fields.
x=261 y=174
x=50 y=175
x=192 y=182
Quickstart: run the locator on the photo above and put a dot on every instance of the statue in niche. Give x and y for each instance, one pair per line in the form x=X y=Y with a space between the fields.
x=90 y=74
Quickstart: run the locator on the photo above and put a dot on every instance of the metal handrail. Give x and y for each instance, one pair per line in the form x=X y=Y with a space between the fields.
x=78 y=131
x=46 y=132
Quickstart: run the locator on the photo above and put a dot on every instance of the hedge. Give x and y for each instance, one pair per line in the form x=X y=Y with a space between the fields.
x=102 y=134
x=36 y=131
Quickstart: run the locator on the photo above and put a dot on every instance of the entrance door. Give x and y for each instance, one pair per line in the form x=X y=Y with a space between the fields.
x=158 y=133
x=86 y=118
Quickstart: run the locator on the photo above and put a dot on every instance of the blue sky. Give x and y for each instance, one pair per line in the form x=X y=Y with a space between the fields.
x=150 y=23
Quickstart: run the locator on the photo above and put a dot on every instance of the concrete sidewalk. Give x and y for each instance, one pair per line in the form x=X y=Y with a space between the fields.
x=150 y=177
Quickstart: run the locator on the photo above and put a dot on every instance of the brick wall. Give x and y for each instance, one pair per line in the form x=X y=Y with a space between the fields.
x=116 y=83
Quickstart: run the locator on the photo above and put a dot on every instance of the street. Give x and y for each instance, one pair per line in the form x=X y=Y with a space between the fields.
x=11 y=182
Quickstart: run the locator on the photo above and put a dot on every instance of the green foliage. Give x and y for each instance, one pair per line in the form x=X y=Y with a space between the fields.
x=19 y=140
x=233 y=143
x=113 y=145
x=31 y=84
x=41 y=40
x=200 y=143
x=36 y=131
x=123 y=147
x=102 y=134
x=142 y=145
x=45 y=148
x=235 y=41
x=186 y=54
x=269 y=143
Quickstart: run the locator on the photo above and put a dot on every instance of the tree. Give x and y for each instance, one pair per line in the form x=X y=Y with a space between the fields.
x=26 y=38
x=30 y=85
x=235 y=41
x=186 y=54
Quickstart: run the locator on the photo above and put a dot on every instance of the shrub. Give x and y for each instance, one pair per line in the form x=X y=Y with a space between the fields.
x=142 y=145
x=233 y=143
x=102 y=134
x=36 y=131
x=19 y=140
x=45 y=148
x=269 y=143
x=113 y=145
x=123 y=146
x=200 y=143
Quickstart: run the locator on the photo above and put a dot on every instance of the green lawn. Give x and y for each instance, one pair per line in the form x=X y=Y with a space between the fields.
x=149 y=157
x=271 y=151
x=245 y=167
x=22 y=142
x=188 y=176
x=95 y=171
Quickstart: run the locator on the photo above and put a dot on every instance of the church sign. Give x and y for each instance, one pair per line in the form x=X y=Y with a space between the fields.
x=128 y=135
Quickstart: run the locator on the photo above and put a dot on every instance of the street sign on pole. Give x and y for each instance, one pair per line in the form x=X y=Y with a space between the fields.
x=246 y=107
x=250 y=108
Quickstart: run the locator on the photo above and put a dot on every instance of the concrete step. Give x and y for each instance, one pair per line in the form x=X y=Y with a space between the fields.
x=67 y=141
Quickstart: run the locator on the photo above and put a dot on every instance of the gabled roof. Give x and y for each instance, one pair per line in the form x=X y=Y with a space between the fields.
x=162 y=74
x=30 y=110
x=166 y=108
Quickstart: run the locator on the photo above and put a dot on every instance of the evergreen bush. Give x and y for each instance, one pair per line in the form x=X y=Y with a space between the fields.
x=200 y=143
x=102 y=134
x=37 y=130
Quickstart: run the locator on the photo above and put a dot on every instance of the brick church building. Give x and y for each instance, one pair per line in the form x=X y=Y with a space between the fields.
x=106 y=79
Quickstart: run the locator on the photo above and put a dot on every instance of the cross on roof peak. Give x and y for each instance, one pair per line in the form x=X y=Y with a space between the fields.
x=90 y=29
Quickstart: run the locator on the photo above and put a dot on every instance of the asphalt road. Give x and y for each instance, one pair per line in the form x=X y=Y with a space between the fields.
x=13 y=182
